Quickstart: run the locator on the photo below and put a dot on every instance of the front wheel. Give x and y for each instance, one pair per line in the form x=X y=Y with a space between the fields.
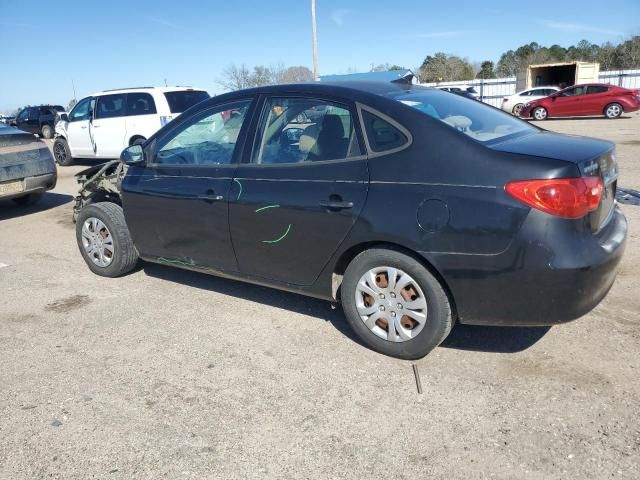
x=540 y=113
x=394 y=304
x=104 y=240
x=62 y=153
x=613 y=110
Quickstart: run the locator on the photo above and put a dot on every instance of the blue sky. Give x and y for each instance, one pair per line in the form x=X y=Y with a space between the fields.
x=113 y=43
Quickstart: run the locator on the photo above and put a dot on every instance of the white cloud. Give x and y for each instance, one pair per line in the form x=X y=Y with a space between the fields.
x=449 y=34
x=162 y=21
x=338 y=16
x=577 y=27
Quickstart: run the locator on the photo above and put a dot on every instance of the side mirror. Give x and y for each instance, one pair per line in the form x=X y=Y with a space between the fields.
x=132 y=155
x=64 y=117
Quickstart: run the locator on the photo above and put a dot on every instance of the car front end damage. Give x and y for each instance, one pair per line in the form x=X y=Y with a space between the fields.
x=100 y=183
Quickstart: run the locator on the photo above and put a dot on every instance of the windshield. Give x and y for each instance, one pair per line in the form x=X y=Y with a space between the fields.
x=181 y=100
x=473 y=118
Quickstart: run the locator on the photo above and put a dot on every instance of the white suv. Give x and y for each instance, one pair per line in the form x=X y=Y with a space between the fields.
x=103 y=124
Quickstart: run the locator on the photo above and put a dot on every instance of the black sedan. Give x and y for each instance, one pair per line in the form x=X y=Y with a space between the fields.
x=412 y=207
x=27 y=168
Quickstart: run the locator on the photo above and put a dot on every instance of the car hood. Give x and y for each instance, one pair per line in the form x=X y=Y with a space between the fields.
x=571 y=148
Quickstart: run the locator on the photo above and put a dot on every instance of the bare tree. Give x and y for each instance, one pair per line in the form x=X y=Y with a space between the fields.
x=296 y=74
x=235 y=78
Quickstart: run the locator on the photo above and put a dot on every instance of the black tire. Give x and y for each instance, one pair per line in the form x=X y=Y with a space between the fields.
x=139 y=141
x=46 y=132
x=613 y=110
x=28 y=200
x=125 y=256
x=61 y=152
x=439 y=318
x=540 y=113
x=517 y=108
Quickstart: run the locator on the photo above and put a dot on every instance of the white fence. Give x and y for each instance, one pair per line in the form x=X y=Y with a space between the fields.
x=492 y=91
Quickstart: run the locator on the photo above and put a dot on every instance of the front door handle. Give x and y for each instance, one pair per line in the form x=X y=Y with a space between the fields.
x=336 y=205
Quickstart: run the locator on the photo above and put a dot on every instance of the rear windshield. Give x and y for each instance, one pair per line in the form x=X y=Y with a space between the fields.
x=475 y=119
x=181 y=100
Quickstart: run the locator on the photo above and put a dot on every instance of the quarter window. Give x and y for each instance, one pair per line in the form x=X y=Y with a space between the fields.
x=298 y=130
x=140 y=103
x=381 y=134
x=208 y=139
x=110 y=106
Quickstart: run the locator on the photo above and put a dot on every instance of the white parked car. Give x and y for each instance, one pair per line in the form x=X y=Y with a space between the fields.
x=104 y=124
x=515 y=102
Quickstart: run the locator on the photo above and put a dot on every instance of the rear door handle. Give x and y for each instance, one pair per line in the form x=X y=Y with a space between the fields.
x=210 y=196
x=336 y=205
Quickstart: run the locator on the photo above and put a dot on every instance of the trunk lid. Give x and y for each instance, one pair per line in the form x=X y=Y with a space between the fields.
x=593 y=157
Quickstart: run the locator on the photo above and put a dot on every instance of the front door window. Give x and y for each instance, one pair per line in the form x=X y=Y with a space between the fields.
x=209 y=139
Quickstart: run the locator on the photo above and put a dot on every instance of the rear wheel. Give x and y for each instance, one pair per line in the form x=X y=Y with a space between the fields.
x=394 y=305
x=61 y=152
x=540 y=113
x=47 y=132
x=613 y=110
x=517 y=108
x=27 y=200
x=104 y=240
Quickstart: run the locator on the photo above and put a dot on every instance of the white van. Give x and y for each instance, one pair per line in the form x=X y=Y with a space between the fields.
x=104 y=124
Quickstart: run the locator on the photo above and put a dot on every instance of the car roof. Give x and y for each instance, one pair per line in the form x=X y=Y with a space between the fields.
x=349 y=89
x=177 y=88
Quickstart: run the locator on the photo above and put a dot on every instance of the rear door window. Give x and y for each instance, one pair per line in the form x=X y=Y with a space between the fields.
x=298 y=130
x=591 y=89
x=140 y=103
x=181 y=100
x=110 y=106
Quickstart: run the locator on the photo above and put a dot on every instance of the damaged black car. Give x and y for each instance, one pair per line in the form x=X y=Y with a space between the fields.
x=413 y=208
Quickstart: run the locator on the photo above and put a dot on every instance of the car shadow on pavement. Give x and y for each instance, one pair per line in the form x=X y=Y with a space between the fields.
x=254 y=293
x=462 y=337
x=493 y=339
x=49 y=200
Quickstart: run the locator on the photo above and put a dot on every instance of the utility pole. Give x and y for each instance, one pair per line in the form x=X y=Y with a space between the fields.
x=73 y=85
x=314 y=40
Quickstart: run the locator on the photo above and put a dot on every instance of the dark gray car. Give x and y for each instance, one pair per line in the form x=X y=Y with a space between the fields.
x=27 y=168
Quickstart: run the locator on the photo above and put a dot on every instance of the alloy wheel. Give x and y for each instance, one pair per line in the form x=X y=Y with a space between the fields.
x=613 y=111
x=540 y=114
x=391 y=304
x=60 y=153
x=97 y=242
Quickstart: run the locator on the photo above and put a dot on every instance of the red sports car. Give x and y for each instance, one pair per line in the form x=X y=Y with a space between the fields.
x=584 y=100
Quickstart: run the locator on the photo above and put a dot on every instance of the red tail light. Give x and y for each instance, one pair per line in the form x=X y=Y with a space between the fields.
x=563 y=197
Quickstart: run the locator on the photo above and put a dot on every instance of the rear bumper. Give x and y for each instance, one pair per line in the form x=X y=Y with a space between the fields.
x=532 y=283
x=35 y=184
